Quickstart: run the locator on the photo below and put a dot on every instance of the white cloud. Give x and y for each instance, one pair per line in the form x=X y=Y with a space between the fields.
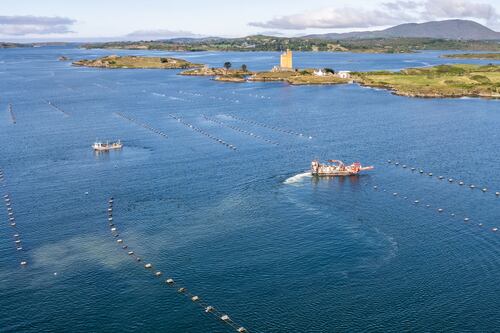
x=41 y=25
x=390 y=13
x=161 y=34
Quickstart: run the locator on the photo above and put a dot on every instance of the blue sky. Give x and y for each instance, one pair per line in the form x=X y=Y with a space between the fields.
x=150 y=19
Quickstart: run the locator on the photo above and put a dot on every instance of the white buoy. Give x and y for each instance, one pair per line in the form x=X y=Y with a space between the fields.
x=412 y=169
x=497 y=194
x=440 y=210
x=484 y=189
x=375 y=187
x=130 y=253
x=158 y=273
x=450 y=180
x=148 y=266
x=472 y=186
x=466 y=219
x=416 y=201
x=195 y=298
x=440 y=177
x=209 y=309
x=119 y=241
x=225 y=317
x=242 y=330
x=460 y=183
x=394 y=194
x=23 y=263
x=421 y=171
x=480 y=224
x=430 y=174
x=494 y=229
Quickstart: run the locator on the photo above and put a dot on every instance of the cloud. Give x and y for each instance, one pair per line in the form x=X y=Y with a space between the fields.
x=161 y=34
x=388 y=13
x=40 y=25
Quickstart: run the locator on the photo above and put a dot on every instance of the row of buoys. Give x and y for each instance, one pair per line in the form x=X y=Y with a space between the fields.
x=144 y=125
x=274 y=128
x=252 y=95
x=418 y=202
x=461 y=183
x=240 y=130
x=12 y=220
x=199 y=130
x=55 y=107
x=169 y=281
x=11 y=112
x=188 y=93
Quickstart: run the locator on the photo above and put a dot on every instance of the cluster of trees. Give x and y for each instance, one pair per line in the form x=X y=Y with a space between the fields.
x=228 y=65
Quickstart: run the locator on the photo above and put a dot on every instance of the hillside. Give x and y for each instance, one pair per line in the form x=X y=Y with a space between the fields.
x=447 y=29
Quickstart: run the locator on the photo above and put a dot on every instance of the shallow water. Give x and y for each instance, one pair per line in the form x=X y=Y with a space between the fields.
x=247 y=230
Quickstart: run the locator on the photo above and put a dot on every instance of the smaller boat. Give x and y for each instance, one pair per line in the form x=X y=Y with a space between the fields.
x=337 y=168
x=107 y=146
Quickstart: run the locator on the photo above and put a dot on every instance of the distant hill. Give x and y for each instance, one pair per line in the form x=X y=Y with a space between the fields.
x=447 y=29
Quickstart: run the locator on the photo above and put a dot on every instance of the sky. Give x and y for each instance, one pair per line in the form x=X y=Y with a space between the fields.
x=65 y=20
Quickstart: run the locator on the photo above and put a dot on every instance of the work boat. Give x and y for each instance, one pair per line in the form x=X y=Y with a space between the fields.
x=337 y=168
x=106 y=146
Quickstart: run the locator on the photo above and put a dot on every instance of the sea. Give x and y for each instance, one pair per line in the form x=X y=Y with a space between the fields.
x=212 y=188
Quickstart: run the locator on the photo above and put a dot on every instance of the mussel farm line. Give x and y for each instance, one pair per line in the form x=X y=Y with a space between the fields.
x=169 y=281
x=237 y=129
x=11 y=112
x=143 y=125
x=461 y=183
x=55 y=107
x=12 y=220
x=423 y=204
x=274 y=128
x=199 y=130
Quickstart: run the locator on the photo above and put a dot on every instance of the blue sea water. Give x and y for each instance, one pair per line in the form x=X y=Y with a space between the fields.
x=245 y=230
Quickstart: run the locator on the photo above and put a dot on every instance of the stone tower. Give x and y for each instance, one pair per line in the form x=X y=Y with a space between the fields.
x=286 y=62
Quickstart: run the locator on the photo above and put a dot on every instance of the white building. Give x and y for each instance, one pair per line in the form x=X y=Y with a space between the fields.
x=344 y=74
x=319 y=72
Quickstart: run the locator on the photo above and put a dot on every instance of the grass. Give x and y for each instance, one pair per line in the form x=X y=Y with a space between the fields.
x=485 y=56
x=438 y=81
x=137 y=62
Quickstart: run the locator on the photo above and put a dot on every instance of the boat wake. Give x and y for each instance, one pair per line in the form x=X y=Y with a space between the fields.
x=297 y=178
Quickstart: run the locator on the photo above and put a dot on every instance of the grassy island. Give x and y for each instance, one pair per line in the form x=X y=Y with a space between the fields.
x=437 y=81
x=299 y=77
x=114 y=61
x=483 y=56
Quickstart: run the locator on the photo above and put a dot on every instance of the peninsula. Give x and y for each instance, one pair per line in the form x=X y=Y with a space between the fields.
x=482 y=56
x=114 y=61
x=438 y=81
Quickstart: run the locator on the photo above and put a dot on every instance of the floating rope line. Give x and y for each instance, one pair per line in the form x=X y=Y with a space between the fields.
x=11 y=112
x=170 y=282
x=199 y=130
x=421 y=203
x=55 y=107
x=240 y=130
x=274 y=128
x=182 y=92
x=461 y=183
x=143 y=125
x=12 y=220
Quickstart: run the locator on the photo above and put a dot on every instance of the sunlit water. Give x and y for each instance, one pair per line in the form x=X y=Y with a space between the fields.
x=249 y=230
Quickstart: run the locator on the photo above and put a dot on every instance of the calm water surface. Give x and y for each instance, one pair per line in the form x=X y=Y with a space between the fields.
x=276 y=250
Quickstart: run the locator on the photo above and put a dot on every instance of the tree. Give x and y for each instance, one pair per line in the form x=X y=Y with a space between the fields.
x=227 y=65
x=329 y=70
x=244 y=68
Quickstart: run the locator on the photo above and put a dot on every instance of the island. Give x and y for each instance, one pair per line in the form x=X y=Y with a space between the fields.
x=437 y=81
x=301 y=77
x=135 y=62
x=482 y=56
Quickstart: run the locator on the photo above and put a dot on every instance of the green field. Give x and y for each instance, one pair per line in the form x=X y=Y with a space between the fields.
x=438 y=81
